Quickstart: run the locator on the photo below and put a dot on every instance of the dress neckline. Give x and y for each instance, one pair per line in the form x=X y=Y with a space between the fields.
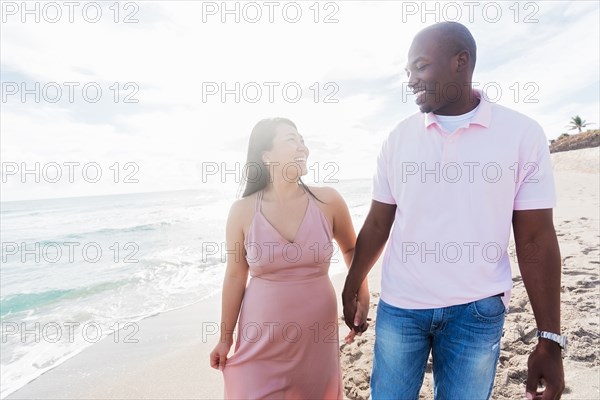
x=298 y=231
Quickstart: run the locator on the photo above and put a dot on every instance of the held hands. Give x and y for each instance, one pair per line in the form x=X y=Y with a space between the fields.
x=545 y=366
x=356 y=309
x=218 y=357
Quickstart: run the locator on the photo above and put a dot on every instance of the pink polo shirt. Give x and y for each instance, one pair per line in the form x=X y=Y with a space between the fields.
x=455 y=195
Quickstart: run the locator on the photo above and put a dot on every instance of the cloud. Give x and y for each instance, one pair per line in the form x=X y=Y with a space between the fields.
x=171 y=58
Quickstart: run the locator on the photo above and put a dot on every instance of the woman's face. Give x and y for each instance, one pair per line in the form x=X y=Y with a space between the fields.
x=288 y=155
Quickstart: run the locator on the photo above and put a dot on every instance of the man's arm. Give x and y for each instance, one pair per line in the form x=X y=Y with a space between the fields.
x=369 y=244
x=540 y=265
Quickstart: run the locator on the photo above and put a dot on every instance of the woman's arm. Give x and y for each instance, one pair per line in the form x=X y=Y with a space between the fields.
x=369 y=245
x=345 y=236
x=234 y=284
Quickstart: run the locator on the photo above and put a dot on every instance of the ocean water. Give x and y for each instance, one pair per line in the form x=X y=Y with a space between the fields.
x=75 y=270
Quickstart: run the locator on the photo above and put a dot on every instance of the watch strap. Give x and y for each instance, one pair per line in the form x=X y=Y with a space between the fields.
x=560 y=340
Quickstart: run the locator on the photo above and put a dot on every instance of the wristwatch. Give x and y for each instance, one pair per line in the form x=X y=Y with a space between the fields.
x=561 y=340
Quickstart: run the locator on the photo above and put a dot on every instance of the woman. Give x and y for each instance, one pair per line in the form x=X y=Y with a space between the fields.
x=280 y=232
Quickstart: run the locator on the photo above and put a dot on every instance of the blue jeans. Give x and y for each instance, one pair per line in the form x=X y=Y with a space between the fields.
x=464 y=341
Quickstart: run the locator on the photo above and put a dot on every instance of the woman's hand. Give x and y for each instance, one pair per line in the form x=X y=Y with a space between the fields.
x=218 y=357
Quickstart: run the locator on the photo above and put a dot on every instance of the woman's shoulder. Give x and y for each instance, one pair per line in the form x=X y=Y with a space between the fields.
x=243 y=206
x=326 y=194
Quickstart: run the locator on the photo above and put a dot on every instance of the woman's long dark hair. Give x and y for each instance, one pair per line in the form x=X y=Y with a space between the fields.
x=256 y=175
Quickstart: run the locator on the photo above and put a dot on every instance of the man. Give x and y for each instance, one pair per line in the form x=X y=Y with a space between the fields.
x=450 y=180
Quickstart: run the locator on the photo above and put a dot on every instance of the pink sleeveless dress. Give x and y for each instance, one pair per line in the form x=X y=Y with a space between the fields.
x=287 y=344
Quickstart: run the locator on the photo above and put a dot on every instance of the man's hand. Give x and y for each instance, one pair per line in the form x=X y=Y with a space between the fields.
x=355 y=315
x=362 y=310
x=545 y=367
x=358 y=308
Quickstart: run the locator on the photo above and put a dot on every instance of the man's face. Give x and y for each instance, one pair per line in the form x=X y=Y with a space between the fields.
x=430 y=74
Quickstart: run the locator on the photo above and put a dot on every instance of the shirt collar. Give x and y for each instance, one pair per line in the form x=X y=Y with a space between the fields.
x=482 y=117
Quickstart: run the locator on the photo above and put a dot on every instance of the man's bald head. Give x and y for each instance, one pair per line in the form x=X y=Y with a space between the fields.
x=440 y=68
x=451 y=38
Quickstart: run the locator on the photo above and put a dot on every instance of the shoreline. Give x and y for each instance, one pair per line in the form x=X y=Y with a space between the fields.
x=170 y=360
x=122 y=369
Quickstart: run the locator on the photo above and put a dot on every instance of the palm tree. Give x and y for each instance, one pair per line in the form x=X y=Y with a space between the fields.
x=578 y=123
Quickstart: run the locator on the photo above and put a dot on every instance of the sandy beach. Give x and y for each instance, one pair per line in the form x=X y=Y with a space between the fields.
x=170 y=359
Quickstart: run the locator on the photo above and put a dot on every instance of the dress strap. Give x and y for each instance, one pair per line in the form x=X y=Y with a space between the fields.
x=258 y=200
x=306 y=192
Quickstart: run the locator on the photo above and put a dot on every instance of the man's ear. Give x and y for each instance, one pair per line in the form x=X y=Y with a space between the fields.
x=463 y=60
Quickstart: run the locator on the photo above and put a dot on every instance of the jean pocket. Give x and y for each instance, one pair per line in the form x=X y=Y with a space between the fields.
x=489 y=309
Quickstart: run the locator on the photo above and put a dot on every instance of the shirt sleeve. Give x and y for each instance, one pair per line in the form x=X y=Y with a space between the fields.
x=381 y=184
x=535 y=188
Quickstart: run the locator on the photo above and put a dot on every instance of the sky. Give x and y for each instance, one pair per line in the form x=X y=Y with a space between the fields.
x=122 y=97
